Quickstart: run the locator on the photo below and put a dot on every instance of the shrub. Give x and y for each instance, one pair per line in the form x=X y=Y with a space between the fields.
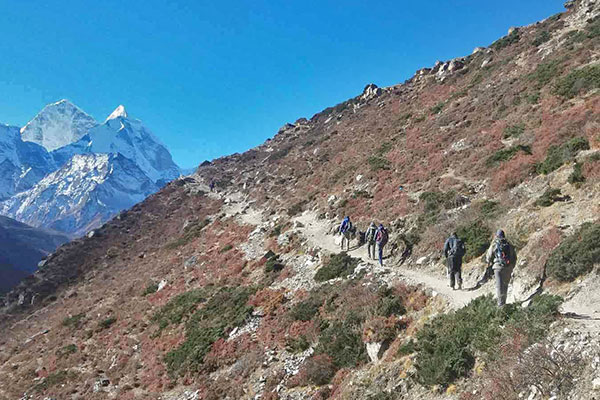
x=54 y=379
x=338 y=265
x=276 y=231
x=67 y=350
x=317 y=370
x=384 y=148
x=446 y=347
x=341 y=340
x=74 y=321
x=437 y=108
x=507 y=154
x=225 y=310
x=549 y=197
x=558 y=155
x=577 y=254
x=296 y=208
x=378 y=163
x=541 y=38
x=581 y=80
x=576 y=177
x=297 y=345
x=226 y=248
x=107 y=323
x=546 y=72
x=151 y=288
x=190 y=232
x=476 y=236
x=306 y=310
x=514 y=130
x=489 y=208
x=533 y=98
x=407 y=348
x=380 y=329
x=507 y=40
x=179 y=307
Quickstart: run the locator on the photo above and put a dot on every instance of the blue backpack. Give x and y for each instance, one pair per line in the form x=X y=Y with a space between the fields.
x=502 y=252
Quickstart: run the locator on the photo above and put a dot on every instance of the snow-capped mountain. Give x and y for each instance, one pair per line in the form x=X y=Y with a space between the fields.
x=22 y=164
x=85 y=192
x=65 y=171
x=57 y=125
x=129 y=137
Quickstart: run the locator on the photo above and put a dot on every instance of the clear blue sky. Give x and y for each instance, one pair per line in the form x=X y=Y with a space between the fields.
x=215 y=77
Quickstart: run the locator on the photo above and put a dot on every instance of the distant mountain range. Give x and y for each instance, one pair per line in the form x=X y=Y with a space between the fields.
x=22 y=248
x=65 y=171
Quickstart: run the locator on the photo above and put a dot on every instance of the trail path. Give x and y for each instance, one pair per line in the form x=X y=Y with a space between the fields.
x=316 y=232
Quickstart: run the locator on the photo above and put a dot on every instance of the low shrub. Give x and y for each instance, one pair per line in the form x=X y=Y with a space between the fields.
x=507 y=154
x=533 y=98
x=576 y=177
x=489 y=208
x=577 y=254
x=296 y=208
x=541 y=38
x=341 y=340
x=54 y=379
x=151 y=288
x=476 y=236
x=226 y=248
x=190 y=232
x=179 y=307
x=580 y=80
x=446 y=347
x=225 y=310
x=558 y=155
x=317 y=370
x=74 y=321
x=306 y=309
x=338 y=265
x=507 y=40
x=514 y=130
x=549 y=197
x=67 y=350
x=546 y=72
x=297 y=344
x=378 y=163
x=106 y=323
x=437 y=108
x=380 y=329
x=276 y=231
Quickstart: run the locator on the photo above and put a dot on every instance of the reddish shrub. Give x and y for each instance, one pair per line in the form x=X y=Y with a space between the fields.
x=380 y=329
x=268 y=299
x=317 y=370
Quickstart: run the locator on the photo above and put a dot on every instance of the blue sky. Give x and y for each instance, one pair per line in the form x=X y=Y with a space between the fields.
x=212 y=78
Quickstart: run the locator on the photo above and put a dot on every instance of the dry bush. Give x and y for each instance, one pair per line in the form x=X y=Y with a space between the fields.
x=548 y=368
x=268 y=299
x=316 y=370
x=380 y=329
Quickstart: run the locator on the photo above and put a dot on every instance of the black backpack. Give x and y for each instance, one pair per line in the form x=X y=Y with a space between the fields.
x=457 y=248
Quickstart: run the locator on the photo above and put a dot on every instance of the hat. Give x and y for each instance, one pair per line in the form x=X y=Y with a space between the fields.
x=500 y=233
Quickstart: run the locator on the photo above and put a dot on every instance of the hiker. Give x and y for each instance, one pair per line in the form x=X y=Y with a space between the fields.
x=370 y=235
x=381 y=239
x=212 y=185
x=502 y=257
x=346 y=230
x=454 y=250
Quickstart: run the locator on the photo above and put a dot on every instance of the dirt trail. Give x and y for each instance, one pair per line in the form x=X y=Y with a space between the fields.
x=316 y=232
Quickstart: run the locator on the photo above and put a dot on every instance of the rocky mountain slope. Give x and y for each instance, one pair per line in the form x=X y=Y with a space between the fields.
x=68 y=172
x=242 y=293
x=23 y=247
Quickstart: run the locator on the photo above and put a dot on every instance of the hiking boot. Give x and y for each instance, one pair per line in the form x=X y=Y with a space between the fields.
x=460 y=286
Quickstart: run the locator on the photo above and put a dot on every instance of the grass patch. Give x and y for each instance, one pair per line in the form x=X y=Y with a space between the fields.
x=514 y=130
x=342 y=341
x=224 y=311
x=446 y=347
x=67 y=350
x=433 y=202
x=507 y=154
x=533 y=98
x=476 y=236
x=489 y=208
x=558 y=155
x=54 y=379
x=578 y=81
x=339 y=265
x=577 y=254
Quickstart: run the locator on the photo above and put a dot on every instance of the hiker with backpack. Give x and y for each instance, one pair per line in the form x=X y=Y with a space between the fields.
x=370 y=236
x=454 y=250
x=381 y=239
x=345 y=230
x=503 y=257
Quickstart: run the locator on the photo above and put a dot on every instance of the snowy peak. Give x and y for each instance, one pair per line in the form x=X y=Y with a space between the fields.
x=57 y=125
x=119 y=112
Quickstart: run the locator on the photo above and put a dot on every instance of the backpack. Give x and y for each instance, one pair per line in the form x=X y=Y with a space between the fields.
x=382 y=236
x=457 y=248
x=502 y=252
x=370 y=234
x=346 y=225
